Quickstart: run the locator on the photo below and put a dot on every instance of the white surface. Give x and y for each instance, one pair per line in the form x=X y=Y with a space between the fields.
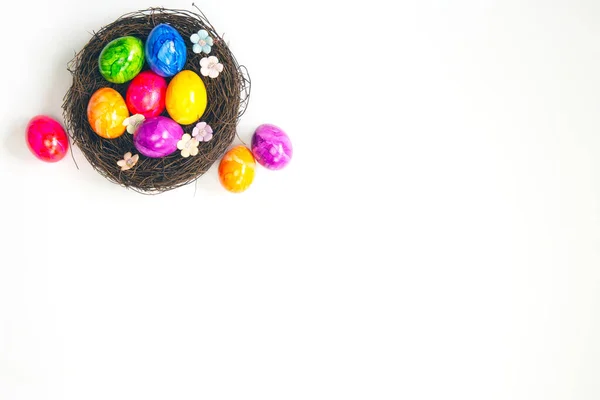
x=435 y=237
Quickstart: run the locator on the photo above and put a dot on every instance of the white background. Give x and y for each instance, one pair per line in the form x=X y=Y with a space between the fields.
x=436 y=236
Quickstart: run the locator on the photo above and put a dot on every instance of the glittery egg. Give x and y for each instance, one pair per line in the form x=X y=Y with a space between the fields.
x=236 y=170
x=146 y=94
x=106 y=112
x=186 y=97
x=157 y=137
x=122 y=59
x=47 y=139
x=271 y=147
x=166 y=51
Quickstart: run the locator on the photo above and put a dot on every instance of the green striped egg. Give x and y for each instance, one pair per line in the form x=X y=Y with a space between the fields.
x=122 y=59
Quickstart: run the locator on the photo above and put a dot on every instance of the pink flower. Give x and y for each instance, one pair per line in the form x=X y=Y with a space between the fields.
x=202 y=132
x=128 y=161
x=210 y=66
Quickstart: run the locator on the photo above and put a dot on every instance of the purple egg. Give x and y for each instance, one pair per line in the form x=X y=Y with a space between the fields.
x=271 y=147
x=157 y=137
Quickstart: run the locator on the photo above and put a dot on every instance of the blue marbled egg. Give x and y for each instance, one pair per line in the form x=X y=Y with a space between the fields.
x=165 y=50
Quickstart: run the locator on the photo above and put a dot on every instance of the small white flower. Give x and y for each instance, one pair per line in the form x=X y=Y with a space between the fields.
x=133 y=123
x=210 y=66
x=188 y=146
x=128 y=161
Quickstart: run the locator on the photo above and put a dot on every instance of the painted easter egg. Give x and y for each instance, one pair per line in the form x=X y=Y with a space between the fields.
x=271 y=147
x=165 y=50
x=122 y=59
x=236 y=170
x=186 y=97
x=157 y=137
x=146 y=94
x=106 y=112
x=47 y=139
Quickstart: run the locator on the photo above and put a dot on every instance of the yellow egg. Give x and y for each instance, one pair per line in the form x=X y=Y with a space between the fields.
x=236 y=170
x=106 y=112
x=186 y=98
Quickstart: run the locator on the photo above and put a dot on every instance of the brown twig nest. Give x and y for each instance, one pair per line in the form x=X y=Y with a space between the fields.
x=228 y=96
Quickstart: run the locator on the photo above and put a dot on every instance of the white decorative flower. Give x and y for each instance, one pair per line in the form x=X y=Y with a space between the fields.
x=210 y=66
x=133 y=122
x=202 y=42
x=188 y=146
x=202 y=132
x=128 y=161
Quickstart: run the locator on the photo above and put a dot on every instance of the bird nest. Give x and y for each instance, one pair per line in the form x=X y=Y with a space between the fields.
x=228 y=96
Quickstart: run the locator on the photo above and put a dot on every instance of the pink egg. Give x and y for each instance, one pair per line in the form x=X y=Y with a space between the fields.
x=146 y=94
x=47 y=139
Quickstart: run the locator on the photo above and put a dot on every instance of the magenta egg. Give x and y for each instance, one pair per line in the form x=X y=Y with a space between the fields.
x=157 y=137
x=47 y=139
x=146 y=94
x=271 y=147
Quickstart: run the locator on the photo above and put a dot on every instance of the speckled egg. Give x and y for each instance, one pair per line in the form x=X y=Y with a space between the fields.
x=271 y=147
x=157 y=137
x=146 y=94
x=186 y=97
x=166 y=51
x=122 y=59
x=236 y=170
x=106 y=112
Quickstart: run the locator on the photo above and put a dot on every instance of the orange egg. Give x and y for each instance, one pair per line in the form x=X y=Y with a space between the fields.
x=236 y=170
x=106 y=112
